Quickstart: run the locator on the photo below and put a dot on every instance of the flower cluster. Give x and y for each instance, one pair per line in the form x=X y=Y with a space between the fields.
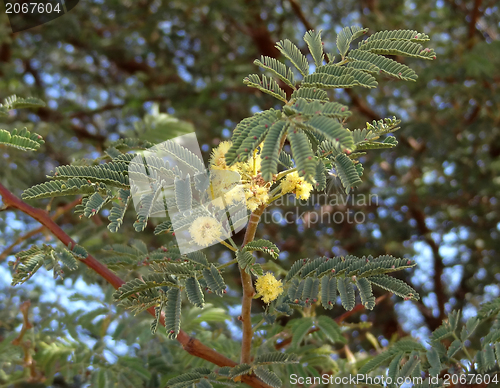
x=254 y=188
x=268 y=287
x=293 y=183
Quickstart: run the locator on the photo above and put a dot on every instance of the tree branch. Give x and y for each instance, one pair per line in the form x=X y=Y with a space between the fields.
x=248 y=290
x=191 y=345
x=298 y=12
x=59 y=212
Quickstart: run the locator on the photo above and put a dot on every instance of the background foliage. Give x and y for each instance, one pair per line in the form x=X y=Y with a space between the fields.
x=107 y=70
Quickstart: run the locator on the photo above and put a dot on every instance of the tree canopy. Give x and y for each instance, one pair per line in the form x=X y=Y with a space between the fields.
x=148 y=71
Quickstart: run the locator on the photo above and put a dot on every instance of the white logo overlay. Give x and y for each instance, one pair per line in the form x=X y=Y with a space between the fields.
x=204 y=206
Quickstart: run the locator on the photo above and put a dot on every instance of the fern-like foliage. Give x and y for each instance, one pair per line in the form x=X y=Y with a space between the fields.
x=448 y=343
x=23 y=139
x=338 y=276
x=28 y=262
x=308 y=118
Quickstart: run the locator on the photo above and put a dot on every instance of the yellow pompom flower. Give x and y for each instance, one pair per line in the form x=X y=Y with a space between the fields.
x=268 y=287
x=205 y=231
x=252 y=187
x=293 y=183
x=256 y=195
x=218 y=157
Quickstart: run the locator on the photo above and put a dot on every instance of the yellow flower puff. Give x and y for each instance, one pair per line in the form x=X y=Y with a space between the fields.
x=205 y=231
x=218 y=158
x=256 y=195
x=293 y=183
x=268 y=287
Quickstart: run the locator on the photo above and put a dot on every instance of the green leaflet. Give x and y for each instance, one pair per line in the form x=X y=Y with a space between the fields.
x=309 y=109
x=295 y=269
x=194 y=292
x=269 y=155
x=346 y=36
x=268 y=377
x=328 y=292
x=23 y=139
x=394 y=366
x=266 y=85
x=73 y=186
x=173 y=312
x=254 y=138
x=239 y=370
x=32 y=259
x=293 y=54
x=137 y=285
x=243 y=129
x=187 y=379
x=346 y=293
x=411 y=35
x=327 y=81
x=95 y=204
x=78 y=251
x=346 y=172
x=395 y=286
x=366 y=293
x=14 y=102
x=65 y=257
x=486 y=359
x=278 y=68
x=331 y=129
x=376 y=361
x=469 y=328
x=409 y=366
x=320 y=176
x=285 y=160
x=203 y=383
x=199 y=258
x=102 y=379
x=156 y=320
x=315 y=45
x=275 y=358
x=310 y=290
x=263 y=246
x=455 y=346
x=303 y=154
x=245 y=260
x=310 y=94
x=368 y=61
x=360 y=78
x=113 y=174
x=397 y=47
x=117 y=212
x=362 y=64
x=214 y=280
x=145 y=208
x=434 y=361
